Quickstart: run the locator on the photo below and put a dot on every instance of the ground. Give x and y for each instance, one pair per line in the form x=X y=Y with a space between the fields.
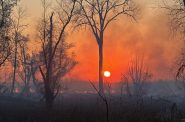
x=91 y=108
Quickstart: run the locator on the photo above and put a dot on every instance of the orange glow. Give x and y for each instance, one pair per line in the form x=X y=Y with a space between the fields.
x=123 y=39
x=122 y=43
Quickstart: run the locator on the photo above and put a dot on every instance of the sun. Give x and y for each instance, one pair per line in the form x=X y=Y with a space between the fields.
x=107 y=74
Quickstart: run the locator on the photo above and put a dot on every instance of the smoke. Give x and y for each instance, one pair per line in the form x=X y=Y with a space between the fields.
x=149 y=36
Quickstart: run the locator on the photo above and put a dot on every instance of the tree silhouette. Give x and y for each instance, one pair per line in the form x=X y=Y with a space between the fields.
x=17 y=37
x=24 y=69
x=54 y=59
x=137 y=75
x=177 y=20
x=6 y=7
x=98 y=14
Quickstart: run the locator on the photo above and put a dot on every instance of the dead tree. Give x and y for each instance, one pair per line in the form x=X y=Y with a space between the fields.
x=97 y=15
x=137 y=76
x=6 y=7
x=176 y=13
x=18 y=28
x=24 y=71
x=30 y=70
x=54 y=59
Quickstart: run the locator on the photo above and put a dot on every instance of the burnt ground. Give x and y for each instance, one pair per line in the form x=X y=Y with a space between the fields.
x=91 y=108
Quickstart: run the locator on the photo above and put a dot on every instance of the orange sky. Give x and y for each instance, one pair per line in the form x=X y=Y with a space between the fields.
x=149 y=36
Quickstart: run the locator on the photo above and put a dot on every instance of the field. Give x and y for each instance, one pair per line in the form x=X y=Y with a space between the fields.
x=88 y=107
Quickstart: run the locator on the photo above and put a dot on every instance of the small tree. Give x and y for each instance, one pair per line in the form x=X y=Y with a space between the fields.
x=136 y=78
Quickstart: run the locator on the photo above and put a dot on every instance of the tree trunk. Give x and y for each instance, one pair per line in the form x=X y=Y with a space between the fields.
x=49 y=98
x=27 y=75
x=101 y=89
x=14 y=70
x=49 y=94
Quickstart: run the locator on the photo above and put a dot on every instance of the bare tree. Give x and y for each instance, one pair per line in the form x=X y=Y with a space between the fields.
x=98 y=14
x=54 y=59
x=18 y=28
x=176 y=11
x=6 y=7
x=177 y=19
x=24 y=69
x=125 y=82
x=137 y=76
x=177 y=15
x=30 y=63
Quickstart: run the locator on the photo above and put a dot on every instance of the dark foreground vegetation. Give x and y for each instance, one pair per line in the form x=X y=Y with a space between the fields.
x=91 y=108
